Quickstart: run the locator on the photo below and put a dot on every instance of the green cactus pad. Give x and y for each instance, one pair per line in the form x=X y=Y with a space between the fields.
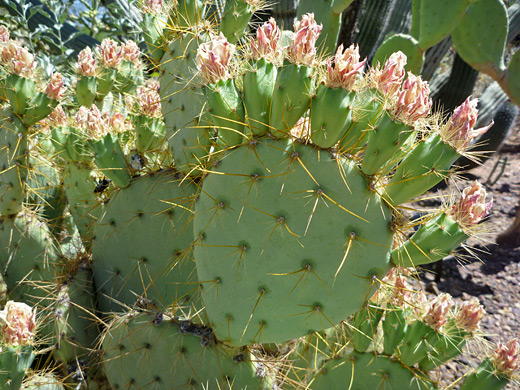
x=14 y=362
x=485 y=377
x=151 y=351
x=28 y=259
x=431 y=242
x=110 y=159
x=513 y=77
x=19 y=91
x=43 y=382
x=424 y=166
x=235 y=19
x=259 y=85
x=182 y=105
x=405 y=43
x=14 y=164
x=330 y=115
x=438 y=18
x=480 y=38
x=86 y=89
x=283 y=231
x=143 y=244
x=291 y=98
x=394 y=328
x=365 y=324
x=366 y=371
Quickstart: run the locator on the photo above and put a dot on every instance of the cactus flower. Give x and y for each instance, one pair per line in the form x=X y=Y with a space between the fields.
x=471 y=207
x=18 y=59
x=55 y=89
x=4 y=34
x=437 y=312
x=57 y=118
x=506 y=357
x=346 y=68
x=302 y=50
x=213 y=59
x=91 y=120
x=149 y=101
x=18 y=323
x=413 y=101
x=470 y=314
x=154 y=6
x=109 y=53
x=459 y=130
x=267 y=43
x=86 y=65
x=131 y=53
x=389 y=79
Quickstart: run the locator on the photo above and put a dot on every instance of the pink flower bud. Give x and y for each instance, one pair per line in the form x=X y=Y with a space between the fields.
x=303 y=48
x=149 y=101
x=346 y=68
x=459 y=131
x=19 y=323
x=471 y=207
x=213 y=59
x=470 y=314
x=267 y=43
x=131 y=52
x=153 y=6
x=4 y=34
x=55 y=89
x=388 y=81
x=18 y=59
x=86 y=63
x=301 y=129
x=116 y=122
x=437 y=312
x=506 y=357
x=109 y=53
x=92 y=121
x=413 y=100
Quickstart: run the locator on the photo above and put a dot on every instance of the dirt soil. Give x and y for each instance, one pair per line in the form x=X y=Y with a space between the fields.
x=494 y=278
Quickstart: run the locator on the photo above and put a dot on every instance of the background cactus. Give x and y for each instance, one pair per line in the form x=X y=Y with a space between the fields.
x=230 y=233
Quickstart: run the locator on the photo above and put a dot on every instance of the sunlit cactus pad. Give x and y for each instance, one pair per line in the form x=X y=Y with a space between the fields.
x=284 y=234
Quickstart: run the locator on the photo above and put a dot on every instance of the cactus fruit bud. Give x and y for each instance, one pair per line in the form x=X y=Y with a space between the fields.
x=459 y=130
x=109 y=53
x=506 y=357
x=346 y=67
x=413 y=100
x=18 y=59
x=213 y=59
x=131 y=52
x=472 y=206
x=19 y=323
x=470 y=314
x=389 y=79
x=86 y=63
x=4 y=34
x=267 y=43
x=302 y=50
x=437 y=311
x=55 y=89
x=91 y=120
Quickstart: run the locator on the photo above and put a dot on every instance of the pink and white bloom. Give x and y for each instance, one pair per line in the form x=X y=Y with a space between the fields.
x=92 y=121
x=506 y=357
x=131 y=53
x=437 y=312
x=56 y=88
x=389 y=79
x=213 y=59
x=302 y=50
x=4 y=34
x=346 y=68
x=154 y=6
x=469 y=315
x=18 y=322
x=459 y=130
x=149 y=101
x=471 y=207
x=267 y=42
x=109 y=53
x=86 y=65
x=18 y=60
x=413 y=100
